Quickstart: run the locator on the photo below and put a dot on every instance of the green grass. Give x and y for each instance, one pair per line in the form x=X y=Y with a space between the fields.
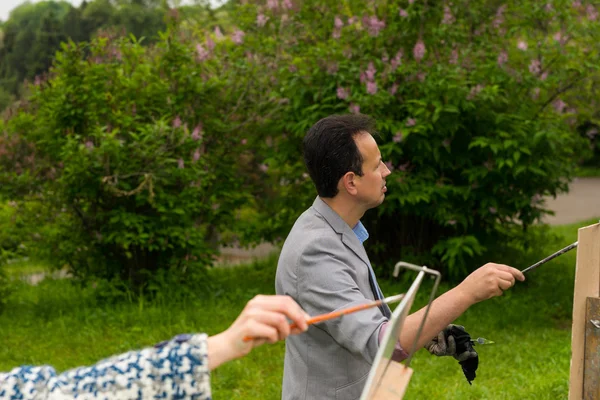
x=588 y=172
x=61 y=324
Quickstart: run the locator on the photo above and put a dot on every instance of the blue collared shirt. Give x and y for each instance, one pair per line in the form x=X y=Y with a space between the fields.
x=362 y=234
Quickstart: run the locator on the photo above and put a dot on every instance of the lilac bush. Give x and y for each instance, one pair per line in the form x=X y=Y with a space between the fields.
x=472 y=102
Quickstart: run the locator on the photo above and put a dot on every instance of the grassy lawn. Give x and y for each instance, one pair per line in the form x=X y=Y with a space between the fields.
x=585 y=172
x=63 y=325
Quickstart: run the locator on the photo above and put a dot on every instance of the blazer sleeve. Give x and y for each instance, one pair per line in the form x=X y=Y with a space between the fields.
x=327 y=282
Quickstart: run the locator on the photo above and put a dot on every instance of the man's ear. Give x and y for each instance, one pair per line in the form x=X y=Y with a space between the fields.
x=348 y=182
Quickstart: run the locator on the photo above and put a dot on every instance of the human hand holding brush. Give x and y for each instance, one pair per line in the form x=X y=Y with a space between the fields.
x=263 y=320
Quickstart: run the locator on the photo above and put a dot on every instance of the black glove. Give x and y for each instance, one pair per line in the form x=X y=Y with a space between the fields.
x=456 y=342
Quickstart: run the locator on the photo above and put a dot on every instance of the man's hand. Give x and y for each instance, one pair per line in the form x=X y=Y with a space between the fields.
x=444 y=344
x=489 y=281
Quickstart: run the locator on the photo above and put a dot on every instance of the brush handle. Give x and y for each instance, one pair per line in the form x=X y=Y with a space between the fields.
x=339 y=313
x=550 y=257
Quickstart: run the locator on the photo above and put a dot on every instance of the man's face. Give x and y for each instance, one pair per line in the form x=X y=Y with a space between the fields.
x=371 y=186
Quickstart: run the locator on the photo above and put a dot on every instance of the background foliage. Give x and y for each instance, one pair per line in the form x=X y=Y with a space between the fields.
x=133 y=156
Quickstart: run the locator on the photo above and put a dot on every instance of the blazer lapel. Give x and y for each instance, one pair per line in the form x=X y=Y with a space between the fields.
x=350 y=240
x=341 y=227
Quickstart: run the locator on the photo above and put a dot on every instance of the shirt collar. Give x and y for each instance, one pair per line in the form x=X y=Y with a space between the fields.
x=361 y=232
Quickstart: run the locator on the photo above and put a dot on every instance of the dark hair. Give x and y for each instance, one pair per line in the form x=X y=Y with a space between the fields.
x=330 y=151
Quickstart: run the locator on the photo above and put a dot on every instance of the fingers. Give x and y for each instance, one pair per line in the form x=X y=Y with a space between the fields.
x=271 y=319
x=262 y=332
x=465 y=355
x=512 y=271
x=451 y=350
x=284 y=305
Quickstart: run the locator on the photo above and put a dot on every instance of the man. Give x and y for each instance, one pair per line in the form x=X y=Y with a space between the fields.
x=324 y=267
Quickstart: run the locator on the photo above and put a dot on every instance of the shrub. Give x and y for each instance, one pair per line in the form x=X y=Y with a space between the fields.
x=135 y=153
x=469 y=101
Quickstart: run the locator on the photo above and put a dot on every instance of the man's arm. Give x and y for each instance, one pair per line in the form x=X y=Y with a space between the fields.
x=484 y=283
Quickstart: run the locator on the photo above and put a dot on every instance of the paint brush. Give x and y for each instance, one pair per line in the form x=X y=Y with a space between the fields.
x=550 y=257
x=345 y=311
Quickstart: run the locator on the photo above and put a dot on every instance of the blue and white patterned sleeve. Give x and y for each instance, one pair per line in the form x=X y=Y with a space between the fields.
x=174 y=369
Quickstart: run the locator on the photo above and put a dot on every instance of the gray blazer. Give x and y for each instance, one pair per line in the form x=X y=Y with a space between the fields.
x=324 y=267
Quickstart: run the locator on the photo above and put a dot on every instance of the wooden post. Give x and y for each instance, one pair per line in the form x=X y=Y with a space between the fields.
x=591 y=369
x=587 y=284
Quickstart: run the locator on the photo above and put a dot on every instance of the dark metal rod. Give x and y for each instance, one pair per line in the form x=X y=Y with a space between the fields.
x=545 y=260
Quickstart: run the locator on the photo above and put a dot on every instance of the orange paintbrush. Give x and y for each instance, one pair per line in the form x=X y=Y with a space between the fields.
x=345 y=311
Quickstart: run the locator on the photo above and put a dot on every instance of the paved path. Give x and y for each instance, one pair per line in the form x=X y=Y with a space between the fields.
x=581 y=203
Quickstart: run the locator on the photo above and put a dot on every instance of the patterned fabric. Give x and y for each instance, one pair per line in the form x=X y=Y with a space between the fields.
x=174 y=369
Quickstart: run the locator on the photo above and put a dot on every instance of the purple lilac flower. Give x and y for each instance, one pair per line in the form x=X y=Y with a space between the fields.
x=448 y=17
x=370 y=72
x=238 y=36
x=261 y=20
x=180 y=164
x=397 y=137
x=197 y=133
x=394 y=89
x=272 y=4
x=336 y=34
x=419 y=50
x=338 y=23
x=535 y=67
x=374 y=25
x=342 y=93
x=196 y=155
x=201 y=53
x=354 y=108
x=592 y=14
x=411 y=122
x=403 y=13
x=502 y=58
x=89 y=145
x=499 y=19
x=177 y=122
x=474 y=92
x=453 y=57
x=210 y=44
x=522 y=45
x=287 y=4
x=371 y=87
x=263 y=167
x=363 y=77
x=218 y=33
x=559 y=105
x=397 y=60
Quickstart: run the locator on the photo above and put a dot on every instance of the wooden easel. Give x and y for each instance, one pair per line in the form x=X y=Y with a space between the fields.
x=585 y=341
